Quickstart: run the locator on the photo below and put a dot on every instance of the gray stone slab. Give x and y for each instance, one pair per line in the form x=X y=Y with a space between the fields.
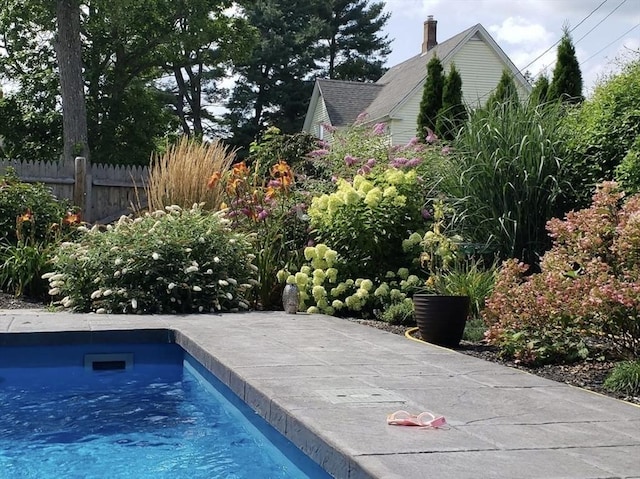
x=485 y=464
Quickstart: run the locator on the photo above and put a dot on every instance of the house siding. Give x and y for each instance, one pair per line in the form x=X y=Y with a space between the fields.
x=404 y=127
x=480 y=68
x=320 y=116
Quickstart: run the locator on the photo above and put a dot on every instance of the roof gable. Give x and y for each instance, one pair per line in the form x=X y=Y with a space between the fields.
x=401 y=81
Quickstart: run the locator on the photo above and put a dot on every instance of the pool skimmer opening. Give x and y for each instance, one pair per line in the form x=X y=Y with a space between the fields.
x=108 y=362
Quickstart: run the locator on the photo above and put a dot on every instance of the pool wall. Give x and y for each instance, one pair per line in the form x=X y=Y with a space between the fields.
x=335 y=462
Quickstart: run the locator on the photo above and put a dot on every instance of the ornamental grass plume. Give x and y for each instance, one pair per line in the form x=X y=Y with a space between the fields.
x=179 y=176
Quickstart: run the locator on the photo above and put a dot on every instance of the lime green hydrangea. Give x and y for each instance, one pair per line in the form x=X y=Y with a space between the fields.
x=390 y=192
x=403 y=273
x=366 y=284
x=337 y=304
x=318 y=277
x=382 y=290
x=310 y=253
x=313 y=310
x=318 y=292
x=301 y=279
x=281 y=275
x=373 y=198
x=332 y=275
x=362 y=293
x=291 y=279
x=306 y=270
x=400 y=200
x=321 y=250
x=396 y=295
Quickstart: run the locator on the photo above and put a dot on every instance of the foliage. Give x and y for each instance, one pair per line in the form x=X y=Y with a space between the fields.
x=624 y=379
x=431 y=101
x=451 y=267
x=178 y=177
x=505 y=95
x=628 y=171
x=272 y=214
x=474 y=330
x=18 y=198
x=540 y=92
x=509 y=165
x=453 y=113
x=599 y=134
x=23 y=262
x=355 y=50
x=274 y=146
x=589 y=284
x=178 y=261
x=325 y=289
x=366 y=219
x=566 y=84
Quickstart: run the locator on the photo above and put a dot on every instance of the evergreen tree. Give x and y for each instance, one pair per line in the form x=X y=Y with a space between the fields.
x=566 y=84
x=431 y=102
x=274 y=84
x=540 y=92
x=505 y=93
x=355 y=50
x=453 y=113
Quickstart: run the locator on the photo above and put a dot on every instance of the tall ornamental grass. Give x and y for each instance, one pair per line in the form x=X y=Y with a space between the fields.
x=179 y=176
x=509 y=177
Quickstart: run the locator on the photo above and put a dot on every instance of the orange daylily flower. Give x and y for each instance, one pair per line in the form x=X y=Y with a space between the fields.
x=240 y=170
x=213 y=180
x=26 y=216
x=71 y=218
x=281 y=168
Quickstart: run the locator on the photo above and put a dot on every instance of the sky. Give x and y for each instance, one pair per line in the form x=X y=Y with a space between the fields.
x=524 y=29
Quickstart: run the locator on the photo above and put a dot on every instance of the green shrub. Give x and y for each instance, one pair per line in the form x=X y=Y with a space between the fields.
x=18 y=198
x=474 y=330
x=628 y=171
x=589 y=284
x=599 y=134
x=624 y=379
x=181 y=261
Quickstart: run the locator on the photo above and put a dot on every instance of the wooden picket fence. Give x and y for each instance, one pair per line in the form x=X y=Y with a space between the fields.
x=102 y=192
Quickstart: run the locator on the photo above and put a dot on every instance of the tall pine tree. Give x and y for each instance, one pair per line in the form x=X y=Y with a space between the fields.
x=540 y=91
x=505 y=93
x=453 y=113
x=352 y=45
x=431 y=102
x=566 y=84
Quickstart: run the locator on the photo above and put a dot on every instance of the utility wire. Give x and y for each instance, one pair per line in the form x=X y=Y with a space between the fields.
x=600 y=22
x=560 y=39
x=609 y=44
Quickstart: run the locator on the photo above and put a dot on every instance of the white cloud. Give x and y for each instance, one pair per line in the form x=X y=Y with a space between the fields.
x=518 y=30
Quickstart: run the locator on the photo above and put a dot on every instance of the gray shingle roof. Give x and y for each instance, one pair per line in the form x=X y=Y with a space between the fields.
x=404 y=77
x=345 y=100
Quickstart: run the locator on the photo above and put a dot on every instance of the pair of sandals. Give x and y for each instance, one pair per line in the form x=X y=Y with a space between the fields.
x=425 y=420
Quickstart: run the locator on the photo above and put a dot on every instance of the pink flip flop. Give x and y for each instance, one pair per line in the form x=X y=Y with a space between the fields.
x=424 y=419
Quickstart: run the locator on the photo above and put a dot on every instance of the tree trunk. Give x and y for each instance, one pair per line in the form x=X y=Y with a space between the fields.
x=69 y=55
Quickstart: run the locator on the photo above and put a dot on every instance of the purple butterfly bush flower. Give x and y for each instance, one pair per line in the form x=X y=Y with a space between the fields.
x=431 y=136
x=329 y=128
x=425 y=214
x=319 y=153
x=398 y=162
x=371 y=162
x=379 y=128
x=413 y=162
x=445 y=150
x=350 y=160
x=364 y=170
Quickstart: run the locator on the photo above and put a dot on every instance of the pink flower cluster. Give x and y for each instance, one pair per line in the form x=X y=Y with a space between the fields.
x=589 y=281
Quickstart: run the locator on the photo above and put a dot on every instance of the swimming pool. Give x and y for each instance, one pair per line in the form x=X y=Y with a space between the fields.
x=131 y=411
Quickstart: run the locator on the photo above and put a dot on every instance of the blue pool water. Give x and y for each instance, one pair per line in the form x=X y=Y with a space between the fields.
x=163 y=416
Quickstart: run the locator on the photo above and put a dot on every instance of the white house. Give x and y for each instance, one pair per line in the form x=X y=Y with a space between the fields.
x=395 y=98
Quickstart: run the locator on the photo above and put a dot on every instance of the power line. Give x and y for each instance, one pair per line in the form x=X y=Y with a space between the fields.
x=609 y=44
x=600 y=22
x=560 y=39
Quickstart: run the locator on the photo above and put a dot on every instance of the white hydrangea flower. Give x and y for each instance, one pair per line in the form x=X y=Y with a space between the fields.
x=171 y=286
x=134 y=303
x=197 y=288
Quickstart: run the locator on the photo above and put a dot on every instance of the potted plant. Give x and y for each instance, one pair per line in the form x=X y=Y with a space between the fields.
x=441 y=307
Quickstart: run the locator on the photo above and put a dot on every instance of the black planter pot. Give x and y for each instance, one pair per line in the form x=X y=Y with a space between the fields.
x=441 y=319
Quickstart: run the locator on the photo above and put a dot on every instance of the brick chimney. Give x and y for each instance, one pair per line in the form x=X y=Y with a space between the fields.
x=429 y=34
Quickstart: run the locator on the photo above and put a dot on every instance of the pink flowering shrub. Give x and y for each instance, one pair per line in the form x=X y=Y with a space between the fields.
x=589 y=286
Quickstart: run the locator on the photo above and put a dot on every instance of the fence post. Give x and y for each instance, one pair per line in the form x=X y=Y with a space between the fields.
x=80 y=186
